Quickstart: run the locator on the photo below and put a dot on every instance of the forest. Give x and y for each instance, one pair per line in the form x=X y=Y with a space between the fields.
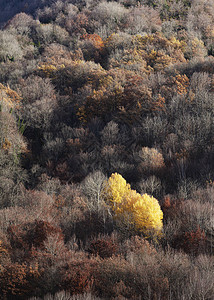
x=106 y=149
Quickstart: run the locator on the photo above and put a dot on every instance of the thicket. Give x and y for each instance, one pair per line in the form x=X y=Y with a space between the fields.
x=107 y=149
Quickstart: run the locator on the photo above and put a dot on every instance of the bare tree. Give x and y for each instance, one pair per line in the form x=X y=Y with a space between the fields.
x=9 y=47
x=92 y=188
x=110 y=133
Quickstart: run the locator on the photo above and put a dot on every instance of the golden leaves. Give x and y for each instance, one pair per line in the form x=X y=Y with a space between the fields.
x=131 y=209
x=9 y=97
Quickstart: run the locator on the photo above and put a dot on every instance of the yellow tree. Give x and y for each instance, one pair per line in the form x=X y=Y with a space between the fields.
x=136 y=212
x=148 y=214
x=115 y=189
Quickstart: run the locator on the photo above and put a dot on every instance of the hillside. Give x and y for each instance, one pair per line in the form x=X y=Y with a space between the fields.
x=107 y=149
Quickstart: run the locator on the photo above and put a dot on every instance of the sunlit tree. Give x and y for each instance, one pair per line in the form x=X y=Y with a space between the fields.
x=134 y=211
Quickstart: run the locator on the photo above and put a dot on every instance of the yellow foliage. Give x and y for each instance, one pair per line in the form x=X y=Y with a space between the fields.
x=152 y=55
x=158 y=51
x=177 y=44
x=148 y=214
x=8 y=97
x=50 y=68
x=162 y=61
x=116 y=188
x=148 y=53
x=143 y=40
x=135 y=211
x=47 y=69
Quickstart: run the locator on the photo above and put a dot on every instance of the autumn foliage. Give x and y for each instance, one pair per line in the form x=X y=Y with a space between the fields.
x=106 y=149
x=135 y=211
